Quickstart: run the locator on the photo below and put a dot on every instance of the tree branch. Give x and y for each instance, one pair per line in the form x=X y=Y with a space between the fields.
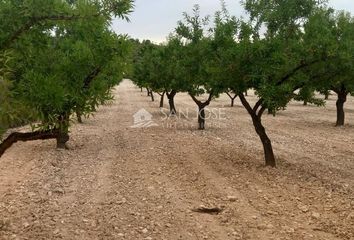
x=261 y=111
x=295 y=70
x=24 y=137
x=211 y=94
x=91 y=77
x=195 y=99
x=35 y=20
x=258 y=104
x=246 y=104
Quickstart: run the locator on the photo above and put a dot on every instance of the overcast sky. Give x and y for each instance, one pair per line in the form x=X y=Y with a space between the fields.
x=155 y=19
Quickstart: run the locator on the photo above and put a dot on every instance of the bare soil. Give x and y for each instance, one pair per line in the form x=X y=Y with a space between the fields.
x=118 y=182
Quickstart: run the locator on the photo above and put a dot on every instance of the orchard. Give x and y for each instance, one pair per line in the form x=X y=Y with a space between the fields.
x=115 y=124
x=286 y=51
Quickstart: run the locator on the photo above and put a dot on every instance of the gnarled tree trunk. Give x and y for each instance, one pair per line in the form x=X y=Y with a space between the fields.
x=152 y=96
x=232 y=98
x=256 y=115
x=326 y=95
x=24 y=137
x=342 y=98
x=201 y=117
x=171 y=101
x=162 y=99
x=266 y=142
x=79 y=116
x=201 y=110
x=63 y=131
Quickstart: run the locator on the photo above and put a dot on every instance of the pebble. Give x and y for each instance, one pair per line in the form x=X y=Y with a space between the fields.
x=232 y=198
x=316 y=215
x=289 y=229
x=272 y=213
x=303 y=208
x=144 y=231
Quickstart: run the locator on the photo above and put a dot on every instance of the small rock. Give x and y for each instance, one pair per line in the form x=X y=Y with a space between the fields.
x=289 y=229
x=272 y=213
x=232 y=198
x=26 y=225
x=264 y=227
x=316 y=215
x=144 y=231
x=303 y=208
x=59 y=191
x=270 y=226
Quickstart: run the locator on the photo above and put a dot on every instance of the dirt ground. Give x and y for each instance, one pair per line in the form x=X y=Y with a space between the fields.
x=119 y=182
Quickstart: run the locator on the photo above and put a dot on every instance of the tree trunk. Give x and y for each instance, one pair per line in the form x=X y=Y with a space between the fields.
x=201 y=117
x=152 y=96
x=141 y=89
x=232 y=98
x=260 y=130
x=246 y=93
x=62 y=139
x=171 y=101
x=63 y=131
x=342 y=98
x=201 y=109
x=79 y=116
x=162 y=99
x=266 y=142
x=148 y=92
x=24 y=137
x=305 y=103
x=326 y=95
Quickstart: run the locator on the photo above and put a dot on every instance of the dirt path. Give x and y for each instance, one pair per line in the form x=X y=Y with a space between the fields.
x=119 y=182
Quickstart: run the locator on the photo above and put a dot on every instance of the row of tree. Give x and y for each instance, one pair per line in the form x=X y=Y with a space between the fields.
x=286 y=50
x=57 y=58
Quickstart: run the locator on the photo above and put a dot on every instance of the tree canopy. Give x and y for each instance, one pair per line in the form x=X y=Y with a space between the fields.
x=58 y=58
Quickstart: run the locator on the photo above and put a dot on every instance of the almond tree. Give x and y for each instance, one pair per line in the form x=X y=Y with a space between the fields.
x=196 y=53
x=147 y=71
x=334 y=33
x=222 y=67
x=159 y=67
x=275 y=65
x=65 y=58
